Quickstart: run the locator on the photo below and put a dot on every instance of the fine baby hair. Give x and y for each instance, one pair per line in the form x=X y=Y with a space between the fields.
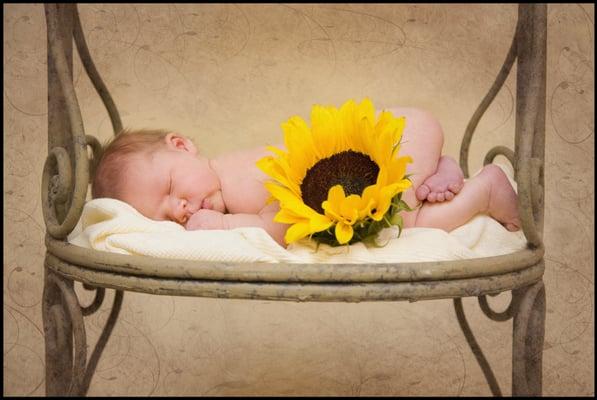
x=116 y=152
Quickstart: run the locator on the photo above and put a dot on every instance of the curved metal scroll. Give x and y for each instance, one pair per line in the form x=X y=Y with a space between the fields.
x=493 y=315
x=96 y=150
x=97 y=301
x=476 y=349
x=81 y=371
x=69 y=299
x=59 y=223
x=94 y=75
x=486 y=102
x=500 y=150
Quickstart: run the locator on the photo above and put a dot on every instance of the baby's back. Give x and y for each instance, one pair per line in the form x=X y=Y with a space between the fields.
x=242 y=182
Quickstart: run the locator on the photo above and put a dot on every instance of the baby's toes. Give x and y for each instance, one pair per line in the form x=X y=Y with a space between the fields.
x=449 y=195
x=440 y=197
x=422 y=192
x=432 y=197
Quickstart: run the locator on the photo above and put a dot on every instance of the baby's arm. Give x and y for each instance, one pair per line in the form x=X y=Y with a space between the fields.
x=210 y=219
x=265 y=220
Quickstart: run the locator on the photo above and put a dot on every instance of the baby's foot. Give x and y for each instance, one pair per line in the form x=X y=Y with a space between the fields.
x=503 y=200
x=444 y=184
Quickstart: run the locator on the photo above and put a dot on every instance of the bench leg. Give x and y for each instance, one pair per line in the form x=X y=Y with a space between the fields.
x=527 y=308
x=67 y=371
x=527 y=340
x=58 y=332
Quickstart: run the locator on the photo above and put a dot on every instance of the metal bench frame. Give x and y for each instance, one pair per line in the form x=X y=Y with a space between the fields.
x=66 y=177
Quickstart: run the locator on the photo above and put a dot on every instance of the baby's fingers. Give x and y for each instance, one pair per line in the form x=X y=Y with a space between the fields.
x=193 y=223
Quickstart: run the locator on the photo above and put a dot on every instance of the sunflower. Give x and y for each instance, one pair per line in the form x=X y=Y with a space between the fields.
x=340 y=179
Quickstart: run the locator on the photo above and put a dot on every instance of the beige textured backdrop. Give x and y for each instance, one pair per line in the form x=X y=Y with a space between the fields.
x=228 y=75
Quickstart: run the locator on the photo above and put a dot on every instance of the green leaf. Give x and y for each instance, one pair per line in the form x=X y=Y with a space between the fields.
x=397 y=220
x=402 y=205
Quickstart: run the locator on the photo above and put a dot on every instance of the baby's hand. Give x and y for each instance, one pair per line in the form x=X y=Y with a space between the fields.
x=205 y=219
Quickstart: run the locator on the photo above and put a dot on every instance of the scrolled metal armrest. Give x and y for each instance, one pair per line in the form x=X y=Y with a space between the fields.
x=56 y=188
x=500 y=150
x=96 y=150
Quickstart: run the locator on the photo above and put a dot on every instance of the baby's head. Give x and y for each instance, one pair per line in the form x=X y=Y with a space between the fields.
x=158 y=172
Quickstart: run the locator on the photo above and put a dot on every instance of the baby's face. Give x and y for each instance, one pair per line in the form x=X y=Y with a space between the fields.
x=172 y=184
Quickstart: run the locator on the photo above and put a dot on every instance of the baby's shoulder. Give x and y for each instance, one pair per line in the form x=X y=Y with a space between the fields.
x=239 y=162
x=242 y=181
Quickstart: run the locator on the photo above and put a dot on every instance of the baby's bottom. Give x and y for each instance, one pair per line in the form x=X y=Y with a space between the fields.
x=488 y=192
x=422 y=139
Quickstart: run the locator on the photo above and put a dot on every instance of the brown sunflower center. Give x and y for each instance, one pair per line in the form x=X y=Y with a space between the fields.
x=354 y=171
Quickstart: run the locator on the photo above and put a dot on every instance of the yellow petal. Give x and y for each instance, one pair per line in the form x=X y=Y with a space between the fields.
x=277 y=151
x=330 y=211
x=332 y=206
x=297 y=232
x=365 y=206
x=297 y=141
x=289 y=200
x=349 y=209
x=366 y=109
x=397 y=168
x=385 y=117
x=319 y=223
x=377 y=200
x=382 y=176
x=368 y=139
x=383 y=203
x=323 y=130
x=349 y=126
x=370 y=195
x=274 y=168
x=343 y=232
x=400 y=129
x=336 y=195
x=383 y=147
x=287 y=216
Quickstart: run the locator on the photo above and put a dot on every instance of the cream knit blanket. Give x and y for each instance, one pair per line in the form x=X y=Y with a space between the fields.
x=114 y=226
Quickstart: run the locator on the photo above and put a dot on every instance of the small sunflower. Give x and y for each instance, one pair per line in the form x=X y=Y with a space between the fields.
x=340 y=180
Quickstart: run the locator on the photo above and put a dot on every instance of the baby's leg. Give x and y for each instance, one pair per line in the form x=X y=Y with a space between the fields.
x=422 y=139
x=488 y=192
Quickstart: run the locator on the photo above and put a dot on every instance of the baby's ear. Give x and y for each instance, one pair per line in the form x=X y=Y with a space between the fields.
x=176 y=141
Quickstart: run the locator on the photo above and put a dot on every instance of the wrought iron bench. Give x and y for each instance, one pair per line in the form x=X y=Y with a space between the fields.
x=66 y=176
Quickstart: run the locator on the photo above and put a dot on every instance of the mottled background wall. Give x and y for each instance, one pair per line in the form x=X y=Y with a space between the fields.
x=228 y=75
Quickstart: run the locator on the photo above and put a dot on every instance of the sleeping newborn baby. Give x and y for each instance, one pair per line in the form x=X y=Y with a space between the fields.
x=164 y=177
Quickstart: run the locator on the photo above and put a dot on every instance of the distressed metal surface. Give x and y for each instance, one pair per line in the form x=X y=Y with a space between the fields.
x=289 y=272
